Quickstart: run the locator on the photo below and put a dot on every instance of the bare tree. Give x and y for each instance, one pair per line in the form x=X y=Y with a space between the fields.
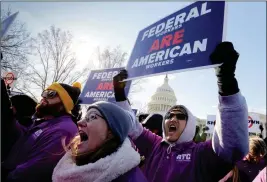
x=14 y=45
x=55 y=62
x=110 y=58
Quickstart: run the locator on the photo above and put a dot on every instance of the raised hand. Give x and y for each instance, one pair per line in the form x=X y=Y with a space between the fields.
x=226 y=54
x=119 y=85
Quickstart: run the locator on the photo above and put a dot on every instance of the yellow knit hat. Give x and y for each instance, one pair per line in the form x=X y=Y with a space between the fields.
x=68 y=94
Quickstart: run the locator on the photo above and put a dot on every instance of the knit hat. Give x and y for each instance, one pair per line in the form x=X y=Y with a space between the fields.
x=68 y=94
x=117 y=119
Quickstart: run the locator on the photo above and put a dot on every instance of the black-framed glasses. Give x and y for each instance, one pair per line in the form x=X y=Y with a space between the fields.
x=93 y=116
x=49 y=94
x=179 y=116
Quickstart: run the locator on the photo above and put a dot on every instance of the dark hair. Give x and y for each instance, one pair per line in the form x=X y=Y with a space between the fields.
x=154 y=122
x=76 y=112
x=25 y=108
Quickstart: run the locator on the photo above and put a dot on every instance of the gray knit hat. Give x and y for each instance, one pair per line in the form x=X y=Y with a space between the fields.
x=117 y=119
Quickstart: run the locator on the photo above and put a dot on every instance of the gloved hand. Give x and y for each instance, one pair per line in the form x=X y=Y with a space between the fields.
x=119 y=85
x=226 y=54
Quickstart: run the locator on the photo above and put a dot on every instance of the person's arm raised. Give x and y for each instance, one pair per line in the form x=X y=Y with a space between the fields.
x=230 y=138
x=122 y=101
x=144 y=139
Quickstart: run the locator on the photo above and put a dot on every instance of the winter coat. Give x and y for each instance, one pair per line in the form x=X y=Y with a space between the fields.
x=249 y=170
x=120 y=166
x=187 y=161
x=261 y=176
x=36 y=153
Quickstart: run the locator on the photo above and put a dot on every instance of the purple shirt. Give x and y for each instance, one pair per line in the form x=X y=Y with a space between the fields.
x=184 y=162
x=134 y=175
x=37 y=151
x=187 y=161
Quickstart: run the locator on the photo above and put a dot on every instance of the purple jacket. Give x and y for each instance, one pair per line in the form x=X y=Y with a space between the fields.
x=185 y=160
x=38 y=150
x=134 y=175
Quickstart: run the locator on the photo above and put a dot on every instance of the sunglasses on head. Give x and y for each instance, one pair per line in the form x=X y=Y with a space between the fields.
x=49 y=94
x=179 y=116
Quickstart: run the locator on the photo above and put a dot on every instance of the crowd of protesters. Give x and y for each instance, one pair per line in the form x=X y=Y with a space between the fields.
x=51 y=141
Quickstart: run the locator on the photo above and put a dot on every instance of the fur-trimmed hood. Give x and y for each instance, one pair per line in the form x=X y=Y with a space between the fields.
x=104 y=170
x=189 y=131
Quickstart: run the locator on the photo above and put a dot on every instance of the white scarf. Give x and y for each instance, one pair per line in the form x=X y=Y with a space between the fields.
x=104 y=170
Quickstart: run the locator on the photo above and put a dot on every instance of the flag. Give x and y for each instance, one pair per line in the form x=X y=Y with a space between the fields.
x=6 y=23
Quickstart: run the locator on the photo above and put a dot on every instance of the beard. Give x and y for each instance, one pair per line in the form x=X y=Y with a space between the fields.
x=50 y=110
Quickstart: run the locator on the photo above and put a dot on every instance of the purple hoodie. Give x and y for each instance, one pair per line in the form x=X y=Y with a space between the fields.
x=38 y=150
x=185 y=160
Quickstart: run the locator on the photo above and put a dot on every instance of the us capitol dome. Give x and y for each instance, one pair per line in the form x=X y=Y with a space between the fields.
x=163 y=99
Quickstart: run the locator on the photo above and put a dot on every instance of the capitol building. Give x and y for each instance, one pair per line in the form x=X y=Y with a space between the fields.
x=163 y=99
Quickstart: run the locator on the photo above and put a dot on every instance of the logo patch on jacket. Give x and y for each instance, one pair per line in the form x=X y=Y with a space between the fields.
x=37 y=133
x=183 y=157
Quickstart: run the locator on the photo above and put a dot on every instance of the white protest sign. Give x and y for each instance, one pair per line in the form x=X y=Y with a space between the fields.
x=9 y=78
x=254 y=123
x=210 y=123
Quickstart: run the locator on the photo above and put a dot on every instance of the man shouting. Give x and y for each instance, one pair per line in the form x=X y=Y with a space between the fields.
x=175 y=157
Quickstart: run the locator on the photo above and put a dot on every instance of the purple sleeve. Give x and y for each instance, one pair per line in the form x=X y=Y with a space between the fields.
x=42 y=160
x=146 y=142
x=230 y=137
x=213 y=167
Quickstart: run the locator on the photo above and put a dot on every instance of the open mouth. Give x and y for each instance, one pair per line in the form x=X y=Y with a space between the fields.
x=172 y=128
x=83 y=136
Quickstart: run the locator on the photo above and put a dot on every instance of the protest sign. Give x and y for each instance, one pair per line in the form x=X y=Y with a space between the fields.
x=210 y=123
x=99 y=86
x=179 y=42
x=254 y=123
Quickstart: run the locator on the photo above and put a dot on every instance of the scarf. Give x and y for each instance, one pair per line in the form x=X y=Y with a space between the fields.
x=103 y=170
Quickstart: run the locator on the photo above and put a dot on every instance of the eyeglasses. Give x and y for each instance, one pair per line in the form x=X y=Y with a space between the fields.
x=92 y=116
x=179 y=116
x=49 y=94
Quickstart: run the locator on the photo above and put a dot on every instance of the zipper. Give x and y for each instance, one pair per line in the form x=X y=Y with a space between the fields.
x=169 y=149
